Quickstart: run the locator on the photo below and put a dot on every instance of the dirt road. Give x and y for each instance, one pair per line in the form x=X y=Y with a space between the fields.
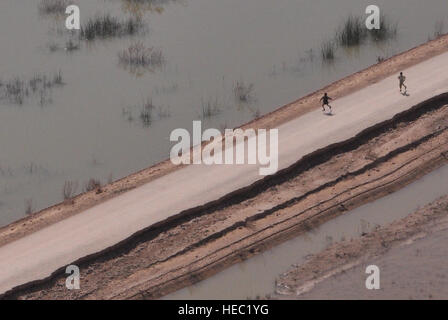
x=36 y=256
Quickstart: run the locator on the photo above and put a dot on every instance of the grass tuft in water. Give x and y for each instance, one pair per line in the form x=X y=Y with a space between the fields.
x=146 y=112
x=137 y=55
x=53 y=6
x=439 y=27
x=92 y=184
x=242 y=91
x=18 y=91
x=327 y=50
x=69 y=189
x=210 y=108
x=352 y=32
x=387 y=30
x=107 y=26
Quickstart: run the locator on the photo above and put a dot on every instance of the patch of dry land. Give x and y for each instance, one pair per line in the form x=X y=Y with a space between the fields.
x=207 y=239
x=411 y=254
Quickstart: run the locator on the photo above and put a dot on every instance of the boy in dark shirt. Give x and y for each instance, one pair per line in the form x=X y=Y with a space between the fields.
x=402 y=78
x=325 y=100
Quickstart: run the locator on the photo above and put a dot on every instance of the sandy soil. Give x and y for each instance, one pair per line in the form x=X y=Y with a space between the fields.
x=327 y=183
x=338 y=89
x=411 y=253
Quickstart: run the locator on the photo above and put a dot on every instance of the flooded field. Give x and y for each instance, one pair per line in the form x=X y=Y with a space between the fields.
x=242 y=280
x=77 y=108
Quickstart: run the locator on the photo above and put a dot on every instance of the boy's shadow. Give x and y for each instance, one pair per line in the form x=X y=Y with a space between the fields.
x=330 y=113
x=406 y=94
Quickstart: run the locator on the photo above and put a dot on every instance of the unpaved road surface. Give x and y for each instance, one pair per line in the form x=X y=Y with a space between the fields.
x=39 y=254
x=411 y=254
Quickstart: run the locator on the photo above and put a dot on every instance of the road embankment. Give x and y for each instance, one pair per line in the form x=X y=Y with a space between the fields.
x=203 y=241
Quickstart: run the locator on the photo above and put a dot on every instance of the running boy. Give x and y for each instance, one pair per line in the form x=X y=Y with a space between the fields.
x=402 y=78
x=325 y=99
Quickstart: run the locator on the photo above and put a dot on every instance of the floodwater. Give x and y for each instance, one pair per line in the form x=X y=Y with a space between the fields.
x=256 y=277
x=89 y=127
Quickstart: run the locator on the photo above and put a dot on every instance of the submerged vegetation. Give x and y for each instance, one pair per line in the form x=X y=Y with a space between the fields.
x=17 y=91
x=139 y=55
x=352 y=32
x=327 y=50
x=210 y=108
x=150 y=2
x=439 y=27
x=146 y=112
x=138 y=58
x=69 y=189
x=388 y=30
x=53 y=6
x=243 y=92
x=28 y=206
x=107 y=26
x=69 y=46
x=93 y=184
x=139 y=7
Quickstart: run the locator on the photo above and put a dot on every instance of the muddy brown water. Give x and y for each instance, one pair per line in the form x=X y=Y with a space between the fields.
x=91 y=128
x=256 y=276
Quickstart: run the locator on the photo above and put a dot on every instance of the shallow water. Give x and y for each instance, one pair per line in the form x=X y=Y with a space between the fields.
x=242 y=280
x=208 y=45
